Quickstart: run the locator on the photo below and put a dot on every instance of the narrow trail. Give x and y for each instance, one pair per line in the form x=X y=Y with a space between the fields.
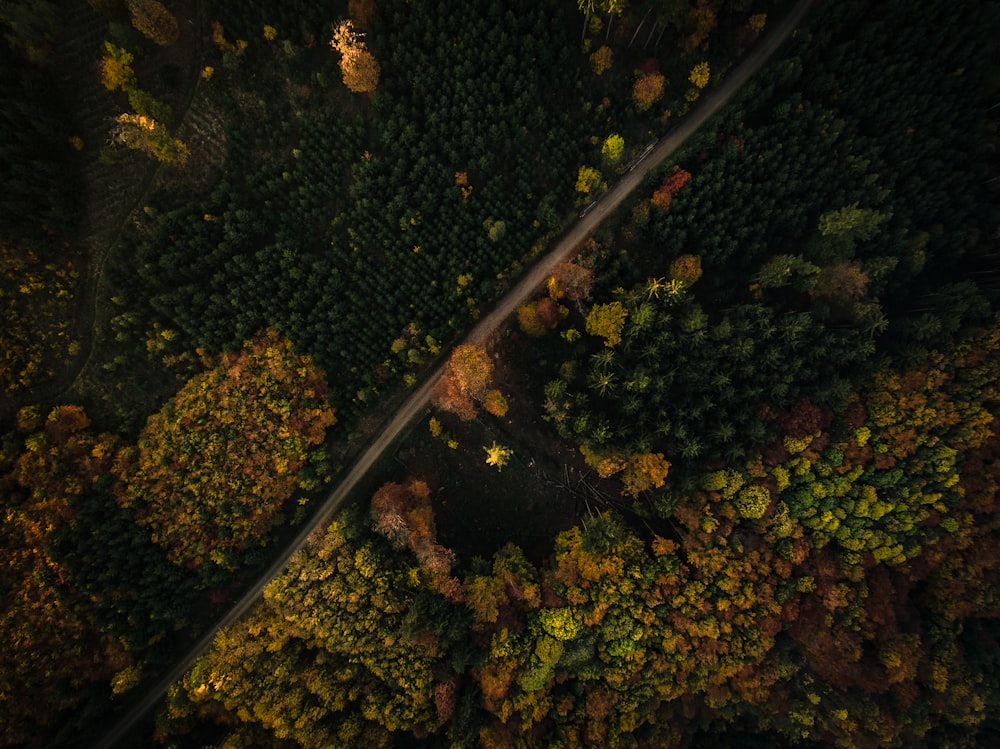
x=112 y=192
x=502 y=309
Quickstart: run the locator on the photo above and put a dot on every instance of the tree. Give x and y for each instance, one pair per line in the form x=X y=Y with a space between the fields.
x=497 y=455
x=853 y=222
x=600 y=61
x=214 y=468
x=358 y=66
x=495 y=403
x=613 y=147
x=700 y=75
x=648 y=89
x=465 y=380
x=607 y=321
x=116 y=69
x=686 y=268
x=139 y=132
x=787 y=270
x=587 y=180
x=154 y=21
x=752 y=501
x=645 y=471
x=672 y=184
x=841 y=283
x=54 y=648
x=572 y=281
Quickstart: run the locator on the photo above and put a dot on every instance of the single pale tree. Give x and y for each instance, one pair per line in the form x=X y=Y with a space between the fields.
x=358 y=66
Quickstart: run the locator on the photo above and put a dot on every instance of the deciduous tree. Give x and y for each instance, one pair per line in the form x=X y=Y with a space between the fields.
x=648 y=89
x=154 y=21
x=358 y=66
x=214 y=468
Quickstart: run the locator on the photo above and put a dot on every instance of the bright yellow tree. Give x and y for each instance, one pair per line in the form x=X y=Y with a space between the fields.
x=497 y=455
x=607 y=321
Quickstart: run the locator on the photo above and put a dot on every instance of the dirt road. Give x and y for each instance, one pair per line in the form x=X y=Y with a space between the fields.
x=504 y=307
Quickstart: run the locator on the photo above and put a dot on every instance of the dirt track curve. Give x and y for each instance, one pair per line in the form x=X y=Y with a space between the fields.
x=504 y=307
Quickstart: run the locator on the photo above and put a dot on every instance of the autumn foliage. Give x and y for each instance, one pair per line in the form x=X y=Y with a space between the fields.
x=214 y=468
x=648 y=89
x=52 y=645
x=538 y=317
x=571 y=281
x=358 y=66
x=36 y=296
x=140 y=132
x=464 y=382
x=154 y=21
x=671 y=185
x=607 y=321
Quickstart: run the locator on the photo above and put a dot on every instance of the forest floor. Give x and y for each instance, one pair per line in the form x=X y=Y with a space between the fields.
x=479 y=509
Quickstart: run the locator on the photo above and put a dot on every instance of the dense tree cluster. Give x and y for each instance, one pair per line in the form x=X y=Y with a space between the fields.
x=36 y=298
x=760 y=614
x=784 y=358
x=215 y=467
x=279 y=241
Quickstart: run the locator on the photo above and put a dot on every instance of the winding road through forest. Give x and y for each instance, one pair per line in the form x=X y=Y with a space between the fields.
x=535 y=276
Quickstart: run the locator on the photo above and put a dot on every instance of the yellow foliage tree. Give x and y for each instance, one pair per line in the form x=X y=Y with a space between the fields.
x=116 y=68
x=700 y=75
x=645 y=471
x=141 y=133
x=587 y=179
x=497 y=455
x=607 y=321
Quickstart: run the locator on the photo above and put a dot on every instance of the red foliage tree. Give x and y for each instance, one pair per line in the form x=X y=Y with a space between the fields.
x=671 y=185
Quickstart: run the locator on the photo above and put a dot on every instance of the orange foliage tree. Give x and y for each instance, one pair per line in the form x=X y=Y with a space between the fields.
x=686 y=268
x=671 y=185
x=215 y=466
x=648 y=89
x=53 y=650
x=403 y=514
x=538 y=317
x=572 y=281
x=465 y=380
x=358 y=66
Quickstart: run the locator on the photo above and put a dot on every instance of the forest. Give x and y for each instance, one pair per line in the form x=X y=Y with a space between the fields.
x=730 y=477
